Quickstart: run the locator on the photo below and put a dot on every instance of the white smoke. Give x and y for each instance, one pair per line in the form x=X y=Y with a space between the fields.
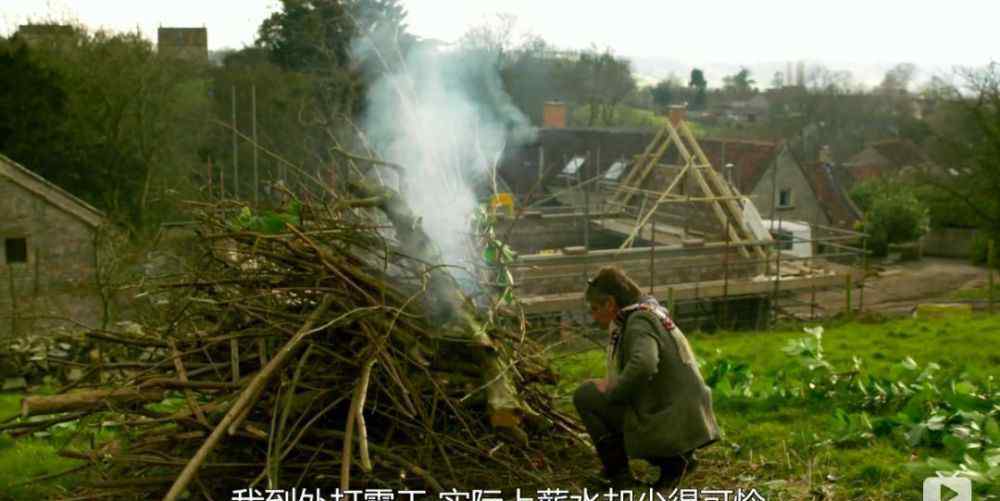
x=445 y=118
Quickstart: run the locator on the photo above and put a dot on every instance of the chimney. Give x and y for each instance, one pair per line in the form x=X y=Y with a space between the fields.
x=554 y=114
x=676 y=113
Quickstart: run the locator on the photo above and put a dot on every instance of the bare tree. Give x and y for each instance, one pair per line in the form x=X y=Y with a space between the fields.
x=494 y=37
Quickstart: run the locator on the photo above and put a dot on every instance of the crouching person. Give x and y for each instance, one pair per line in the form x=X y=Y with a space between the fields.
x=653 y=404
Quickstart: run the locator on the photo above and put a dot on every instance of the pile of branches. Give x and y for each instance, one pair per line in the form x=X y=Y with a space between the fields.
x=319 y=346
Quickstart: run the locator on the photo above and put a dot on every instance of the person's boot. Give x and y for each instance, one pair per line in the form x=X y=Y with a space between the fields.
x=611 y=451
x=673 y=469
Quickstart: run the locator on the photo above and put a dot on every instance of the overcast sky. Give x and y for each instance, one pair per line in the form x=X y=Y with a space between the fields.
x=697 y=31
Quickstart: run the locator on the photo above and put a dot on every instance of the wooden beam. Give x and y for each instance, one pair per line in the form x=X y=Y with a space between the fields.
x=640 y=163
x=597 y=257
x=628 y=241
x=724 y=188
x=646 y=169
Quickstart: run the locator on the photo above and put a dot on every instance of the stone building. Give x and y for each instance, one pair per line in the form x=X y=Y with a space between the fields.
x=48 y=259
x=781 y=185
x=190 y=44
x=41 y=34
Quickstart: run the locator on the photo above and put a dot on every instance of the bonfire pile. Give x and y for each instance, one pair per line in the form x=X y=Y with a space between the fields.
x=318 y=346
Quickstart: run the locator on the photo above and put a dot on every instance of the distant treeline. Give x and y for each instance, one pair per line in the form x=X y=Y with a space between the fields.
x=133 y=132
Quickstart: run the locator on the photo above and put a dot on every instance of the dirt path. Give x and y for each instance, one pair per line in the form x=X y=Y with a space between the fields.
x=899 y=287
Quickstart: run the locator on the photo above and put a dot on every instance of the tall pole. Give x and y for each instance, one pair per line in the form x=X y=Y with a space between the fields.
x=652 y=254
x=541 y=162
x=236 y=155
x=777 y=274
x=724 y=320
x=586 y=214
x=864 y=274
x=990 y=265
x=774 y=186
x=256 y=173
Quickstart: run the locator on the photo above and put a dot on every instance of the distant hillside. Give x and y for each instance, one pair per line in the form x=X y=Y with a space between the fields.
x=649 y=70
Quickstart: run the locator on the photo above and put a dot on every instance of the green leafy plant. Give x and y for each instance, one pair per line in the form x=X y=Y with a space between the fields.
x=268 y=221
x=893 y=213
x=497 y=255
x=731 y=379
x=952 y=426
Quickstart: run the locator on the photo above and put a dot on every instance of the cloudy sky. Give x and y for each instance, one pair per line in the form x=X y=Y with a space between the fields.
x=846 y=32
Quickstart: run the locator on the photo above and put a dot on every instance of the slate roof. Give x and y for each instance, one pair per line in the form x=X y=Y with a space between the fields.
x=750 y=159
x=51 y=193
x=519 y=166
x=885 y=157
x=831 y=194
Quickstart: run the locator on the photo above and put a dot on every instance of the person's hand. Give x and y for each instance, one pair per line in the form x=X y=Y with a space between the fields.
x=602 y=385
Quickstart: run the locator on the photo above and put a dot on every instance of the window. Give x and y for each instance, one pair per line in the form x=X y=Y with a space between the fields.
x=785 y=198
x=573 y=166
x=615 y=171
x=16 y=250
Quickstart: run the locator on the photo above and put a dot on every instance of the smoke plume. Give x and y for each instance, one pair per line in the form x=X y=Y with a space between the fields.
x=445 y=118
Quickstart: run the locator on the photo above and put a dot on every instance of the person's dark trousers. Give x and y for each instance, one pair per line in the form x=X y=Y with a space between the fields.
x=674 y=468
x=604 y=422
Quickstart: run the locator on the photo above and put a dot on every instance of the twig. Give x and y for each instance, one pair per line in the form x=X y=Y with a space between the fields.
x=51 y=476
x=357 y=406
x=182 y=376
x=376 y=161
x=247 y=397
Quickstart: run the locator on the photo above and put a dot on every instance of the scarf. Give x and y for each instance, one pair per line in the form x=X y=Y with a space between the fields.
x=617 y=328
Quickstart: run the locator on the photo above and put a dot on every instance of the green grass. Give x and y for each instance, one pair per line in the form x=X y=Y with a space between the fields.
x=625 y=116
x=957 y=344
x=978 y=294
x=27 y=458
x=784 y=447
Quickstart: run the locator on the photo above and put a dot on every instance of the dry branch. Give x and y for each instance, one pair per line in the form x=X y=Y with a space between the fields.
x=87 y=400
x=453 y=382
x=247 y=398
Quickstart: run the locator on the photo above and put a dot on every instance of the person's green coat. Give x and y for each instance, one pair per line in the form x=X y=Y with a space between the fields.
x=668 y=405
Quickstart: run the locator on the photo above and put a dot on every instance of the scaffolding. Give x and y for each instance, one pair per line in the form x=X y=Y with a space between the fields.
x=697 y=241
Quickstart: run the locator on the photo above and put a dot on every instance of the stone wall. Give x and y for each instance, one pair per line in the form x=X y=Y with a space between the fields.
x=699 y=266
x=949 y=242
x=531 y=235
x=57 y=280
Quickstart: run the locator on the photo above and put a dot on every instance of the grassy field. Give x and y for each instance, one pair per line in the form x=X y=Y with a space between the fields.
x=860 y=411
x=884 y=406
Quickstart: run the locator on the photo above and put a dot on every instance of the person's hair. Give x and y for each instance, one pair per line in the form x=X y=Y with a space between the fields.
x=611 y=281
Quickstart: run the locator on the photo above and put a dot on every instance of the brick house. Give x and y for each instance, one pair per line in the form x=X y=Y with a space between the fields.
x=48 y=258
